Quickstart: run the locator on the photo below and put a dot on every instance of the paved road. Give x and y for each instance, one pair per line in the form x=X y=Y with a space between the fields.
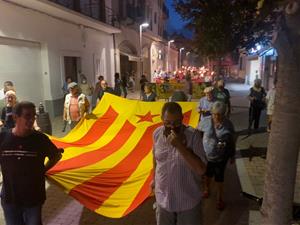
x=60 y=209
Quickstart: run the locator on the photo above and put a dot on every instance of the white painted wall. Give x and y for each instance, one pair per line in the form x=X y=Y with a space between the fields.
x=254 y=70
x=22 y=65
x=57 y=38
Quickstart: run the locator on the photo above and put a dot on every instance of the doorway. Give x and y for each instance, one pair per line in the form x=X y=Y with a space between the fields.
x=127 y=67
x=72 y=67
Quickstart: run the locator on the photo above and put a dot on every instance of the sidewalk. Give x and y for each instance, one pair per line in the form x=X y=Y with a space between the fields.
x=251 y=151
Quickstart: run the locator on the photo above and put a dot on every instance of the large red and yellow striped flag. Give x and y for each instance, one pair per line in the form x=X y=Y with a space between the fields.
x=107 y=163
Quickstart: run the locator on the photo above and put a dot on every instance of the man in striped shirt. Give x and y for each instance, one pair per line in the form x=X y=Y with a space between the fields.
x=179 y=161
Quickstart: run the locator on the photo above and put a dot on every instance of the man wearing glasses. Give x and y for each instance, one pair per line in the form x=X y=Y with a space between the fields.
x=179 y=162
x=22 y=155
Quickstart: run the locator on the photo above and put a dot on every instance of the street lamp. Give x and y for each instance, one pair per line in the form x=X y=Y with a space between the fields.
x=141 y=47
x=180 y=50
x=187 y=58
x=168 y=54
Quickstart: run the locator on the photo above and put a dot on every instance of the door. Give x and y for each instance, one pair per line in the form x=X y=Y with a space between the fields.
x=72 y=67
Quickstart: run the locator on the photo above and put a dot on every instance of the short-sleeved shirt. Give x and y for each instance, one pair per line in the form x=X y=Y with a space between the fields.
x=222 y=95
x=177 y=186
x=211 y=137
x=205 y=105
x=22 y=163
x=258 y=95
x=179 y=96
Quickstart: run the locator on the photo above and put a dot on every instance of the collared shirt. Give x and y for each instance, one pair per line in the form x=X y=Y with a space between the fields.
x=177 y=186
x=205 y=105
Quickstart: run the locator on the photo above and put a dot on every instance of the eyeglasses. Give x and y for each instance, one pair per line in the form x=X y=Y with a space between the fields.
x=175 y=123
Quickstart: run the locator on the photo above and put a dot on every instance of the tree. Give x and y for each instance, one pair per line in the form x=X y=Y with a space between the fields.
x=222 y=27
x=284 y=142
x=242 y=24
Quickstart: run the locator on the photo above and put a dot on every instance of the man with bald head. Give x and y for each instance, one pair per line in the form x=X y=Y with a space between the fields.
x=105 y=89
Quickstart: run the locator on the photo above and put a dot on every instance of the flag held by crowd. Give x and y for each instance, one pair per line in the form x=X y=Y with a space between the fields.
x=107 y=162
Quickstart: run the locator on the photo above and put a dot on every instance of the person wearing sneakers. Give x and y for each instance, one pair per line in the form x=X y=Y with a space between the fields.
x=219 y=145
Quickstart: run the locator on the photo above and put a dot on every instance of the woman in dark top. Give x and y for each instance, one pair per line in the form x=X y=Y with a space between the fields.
x=148 y=95
x=257 y=103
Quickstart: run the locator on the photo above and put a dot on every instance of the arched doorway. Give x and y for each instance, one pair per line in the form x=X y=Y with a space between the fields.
x=128 y=59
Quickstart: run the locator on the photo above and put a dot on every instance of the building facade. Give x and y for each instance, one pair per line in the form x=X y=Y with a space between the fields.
x=142 y=50
x=261 y=64
x=43 y=42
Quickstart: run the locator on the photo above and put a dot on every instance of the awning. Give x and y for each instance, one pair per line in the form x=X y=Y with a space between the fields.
x=130 y=56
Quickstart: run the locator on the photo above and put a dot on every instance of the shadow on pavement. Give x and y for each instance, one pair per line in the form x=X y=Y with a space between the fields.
x=237 y=207
x=252 y=152
x=143 y=215
x=58 y=205
x=248 y=133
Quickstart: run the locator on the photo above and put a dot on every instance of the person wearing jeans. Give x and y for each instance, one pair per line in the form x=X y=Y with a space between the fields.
x=22 y=155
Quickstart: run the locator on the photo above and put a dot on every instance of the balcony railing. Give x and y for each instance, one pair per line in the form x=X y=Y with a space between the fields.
x=95 y=9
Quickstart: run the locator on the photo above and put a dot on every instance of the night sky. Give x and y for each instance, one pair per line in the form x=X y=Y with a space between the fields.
x=175 y=22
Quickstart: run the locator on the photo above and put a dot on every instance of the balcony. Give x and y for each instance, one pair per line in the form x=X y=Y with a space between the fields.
x=95 y=9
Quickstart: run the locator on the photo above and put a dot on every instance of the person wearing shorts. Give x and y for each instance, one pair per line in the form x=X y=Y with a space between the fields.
x=219 y=146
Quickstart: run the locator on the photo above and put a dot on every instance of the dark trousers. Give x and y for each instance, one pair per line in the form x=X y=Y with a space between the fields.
x=254 y=115
x=19 y=215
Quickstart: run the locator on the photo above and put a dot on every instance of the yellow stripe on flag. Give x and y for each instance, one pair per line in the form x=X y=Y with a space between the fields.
x=123 y=197
x=108 y=159
x=85 y=173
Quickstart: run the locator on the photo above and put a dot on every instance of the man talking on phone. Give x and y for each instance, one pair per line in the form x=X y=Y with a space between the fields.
x=179 y=162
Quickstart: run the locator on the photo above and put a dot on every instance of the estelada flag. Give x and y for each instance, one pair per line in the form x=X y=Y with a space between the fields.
x=107 y=163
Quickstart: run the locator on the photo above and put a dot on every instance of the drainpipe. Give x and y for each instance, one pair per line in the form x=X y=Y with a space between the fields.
x=115 y=53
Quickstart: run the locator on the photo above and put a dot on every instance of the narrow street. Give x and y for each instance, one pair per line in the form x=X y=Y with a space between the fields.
x=60 y=209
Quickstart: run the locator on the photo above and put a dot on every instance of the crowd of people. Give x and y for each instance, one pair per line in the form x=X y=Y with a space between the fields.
x=81 y=98
x=182 y=154
x=196 y=74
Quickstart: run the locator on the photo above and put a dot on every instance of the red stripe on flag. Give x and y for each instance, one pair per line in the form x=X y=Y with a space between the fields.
x=145 y=190
x=142 y=195
x=97 y=155
x=95 y=191
x=186 y=117
x=95 y=132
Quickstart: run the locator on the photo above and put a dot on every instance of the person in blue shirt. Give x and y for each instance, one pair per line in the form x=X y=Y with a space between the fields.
x=206 y=102
x=219 y=146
